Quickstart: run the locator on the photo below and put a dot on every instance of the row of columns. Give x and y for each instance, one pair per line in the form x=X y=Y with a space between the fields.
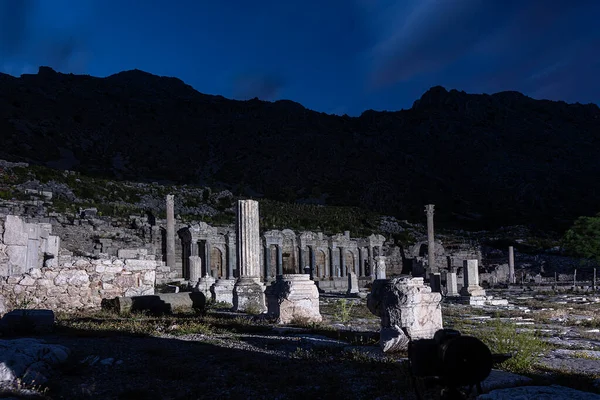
x=331 y=268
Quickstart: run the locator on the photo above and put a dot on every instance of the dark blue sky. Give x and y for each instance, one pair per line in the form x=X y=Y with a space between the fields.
x=335 y=56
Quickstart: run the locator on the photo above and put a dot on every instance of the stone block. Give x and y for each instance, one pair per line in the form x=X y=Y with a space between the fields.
x=405 y=303
x=293 y=297
x=14 y=231
x=352 y=284
x=248 y=295
x=222 y=291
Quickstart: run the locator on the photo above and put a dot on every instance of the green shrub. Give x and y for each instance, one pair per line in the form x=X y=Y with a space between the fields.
x=524 y=346
x=342 y=310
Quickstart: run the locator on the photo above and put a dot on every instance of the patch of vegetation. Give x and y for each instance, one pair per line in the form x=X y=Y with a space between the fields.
x=327 y=219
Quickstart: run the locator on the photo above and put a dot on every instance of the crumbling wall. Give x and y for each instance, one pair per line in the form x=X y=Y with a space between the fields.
x=80 y=283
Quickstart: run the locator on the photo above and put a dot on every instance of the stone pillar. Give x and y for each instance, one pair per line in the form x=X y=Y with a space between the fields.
x=195 y=269
x=361 y=262
x=207 y=251
x=248 y=292
x=230 y=254
x=430 y=239
x=170 y=232
x=352 y=284
x=313 y=262
x=471 y=279
x=342 y=262
x=300 y=260
x=451 y=284
x=267 y=253
x=594 y=280
x=371 y=260
x=380 y=267
x=435 y=282
x=511 y=265
x=279 y=260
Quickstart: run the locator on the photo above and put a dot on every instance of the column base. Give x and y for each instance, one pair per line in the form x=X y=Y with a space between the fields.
x=222 y=290
x=249 y=296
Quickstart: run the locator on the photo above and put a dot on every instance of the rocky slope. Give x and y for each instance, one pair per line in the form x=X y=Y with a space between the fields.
x=484 y=159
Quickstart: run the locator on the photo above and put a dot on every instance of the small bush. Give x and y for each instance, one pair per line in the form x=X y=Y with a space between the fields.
x=524 y=346
x=342 y=311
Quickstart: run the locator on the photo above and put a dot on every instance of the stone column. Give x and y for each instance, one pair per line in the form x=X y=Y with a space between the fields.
x=430 y=239
x=230 y=254
x=195 y=269
x=311 y=249
x=361 y=262
x=342 y=262
x=371 y=260
x=471 y=279
x=267 y=262
x=207 y=250
x=248 y=292
x=279 y=260
x=300 y=260
x=380 y=267
x=170 y=232
x=451 y=284
x=511 y=265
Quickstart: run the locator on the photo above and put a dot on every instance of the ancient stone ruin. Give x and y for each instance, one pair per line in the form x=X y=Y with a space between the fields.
x=293 y=297
x=408 y=311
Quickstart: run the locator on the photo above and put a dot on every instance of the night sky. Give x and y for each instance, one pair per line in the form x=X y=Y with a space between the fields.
x=335 y=56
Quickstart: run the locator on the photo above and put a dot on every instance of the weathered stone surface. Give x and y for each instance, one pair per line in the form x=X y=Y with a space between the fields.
x=552 y=392
x=352 y=284
x=451 y=284
x=393 y=339
x=471 y=279
x=195 y=269
x=248 y=295
x=14 y=231
x=380 y=267
x=29 y=360
x=293 y=297
x=408 y=304
x=222 y=291
x=82 y=283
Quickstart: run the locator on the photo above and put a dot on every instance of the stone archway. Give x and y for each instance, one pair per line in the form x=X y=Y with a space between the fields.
x=320 y=264
x=217 y=267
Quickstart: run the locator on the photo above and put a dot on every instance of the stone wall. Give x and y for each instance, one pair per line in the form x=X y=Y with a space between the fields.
x=80 y=283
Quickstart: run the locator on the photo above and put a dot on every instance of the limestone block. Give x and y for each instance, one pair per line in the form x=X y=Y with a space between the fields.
x=293 y=297
x=14 y=231
x=352 y=284
x=471 y=279
x=131 y=253
x=52 y=245
x=17 y=257
x=222 y=291
x=137 y=265
x=393 y=339
x=27 y=281
x=405 y=302
x=248 y=295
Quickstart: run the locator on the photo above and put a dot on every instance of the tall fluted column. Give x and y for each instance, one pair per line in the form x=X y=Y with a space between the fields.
x=248 y=239
x=248 y=292
x=430 y=239
x=170 y=232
